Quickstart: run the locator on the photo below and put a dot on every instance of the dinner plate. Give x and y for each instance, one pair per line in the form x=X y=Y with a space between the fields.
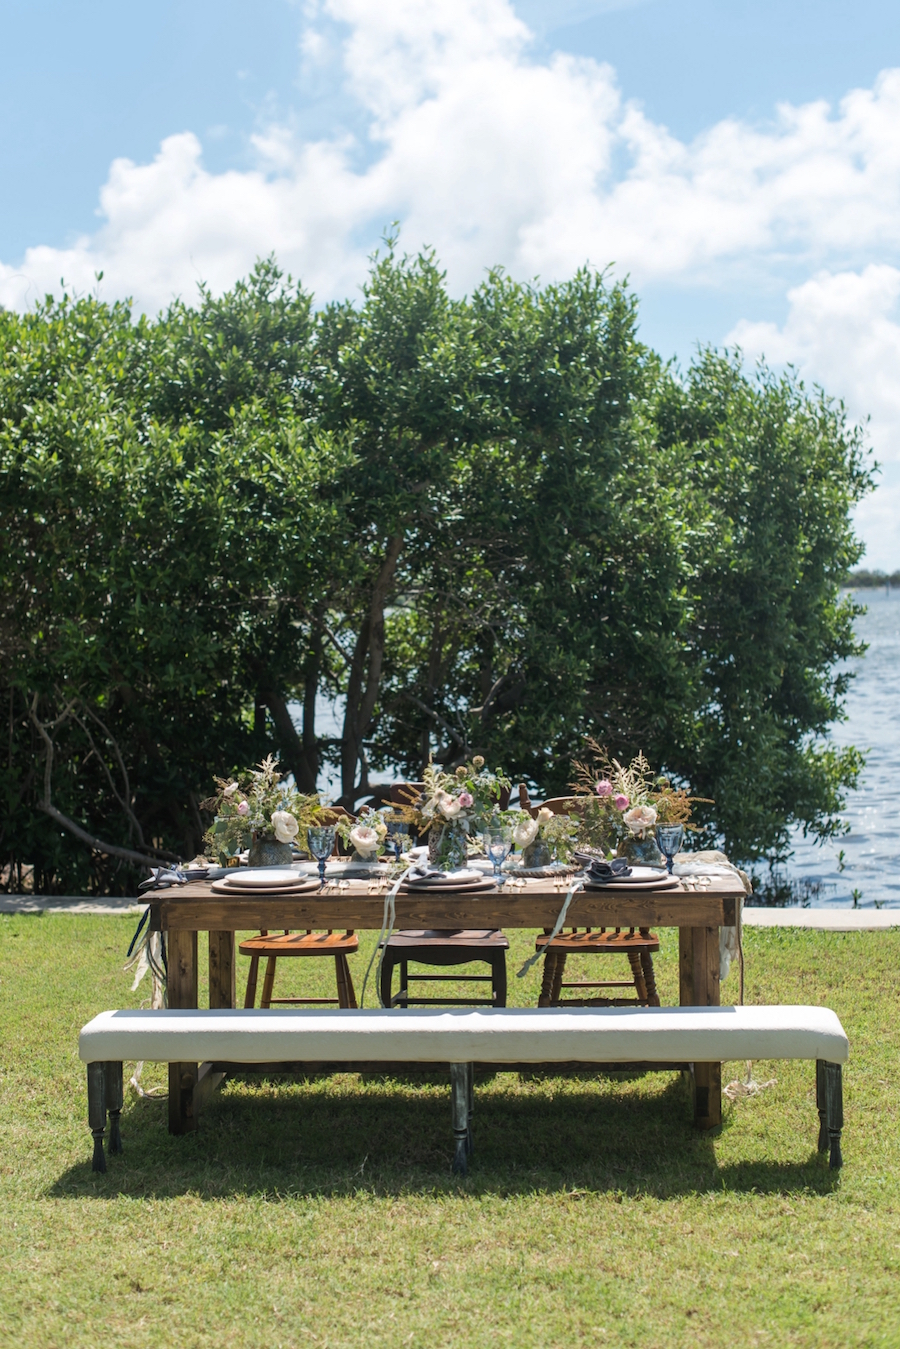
x=624 y=887
x=262 y=878
x=301 y=887
x=452 y=878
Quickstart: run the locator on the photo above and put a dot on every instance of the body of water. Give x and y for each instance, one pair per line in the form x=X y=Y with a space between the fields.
x=863 y=867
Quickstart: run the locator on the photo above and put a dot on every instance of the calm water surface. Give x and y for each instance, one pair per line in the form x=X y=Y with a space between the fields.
x=871 y=850
x=816 y=874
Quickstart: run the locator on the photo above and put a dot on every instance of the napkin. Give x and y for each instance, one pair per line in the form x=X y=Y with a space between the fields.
x=162 y=877
x=604 y=872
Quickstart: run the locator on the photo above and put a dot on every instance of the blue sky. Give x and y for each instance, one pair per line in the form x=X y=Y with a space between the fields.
x=741 y=162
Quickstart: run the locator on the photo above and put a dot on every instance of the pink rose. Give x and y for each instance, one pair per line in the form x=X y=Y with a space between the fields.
x=604 y=788
x=466 y=799
x=620 y=802
x=243 y=808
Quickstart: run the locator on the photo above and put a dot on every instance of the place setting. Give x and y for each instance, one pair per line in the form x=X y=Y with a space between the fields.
x=281 y=881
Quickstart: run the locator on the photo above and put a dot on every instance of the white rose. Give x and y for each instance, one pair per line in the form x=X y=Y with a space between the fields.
x=364 y=840
x=230 y=789
x=450 y=807
x=524 y=833
x=544 y=815
x=640 y=818
x=285 y=826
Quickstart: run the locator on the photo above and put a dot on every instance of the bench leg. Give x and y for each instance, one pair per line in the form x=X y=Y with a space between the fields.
x=470 y=1113
x=707 y=1095
x=830 y=1102
x=114 y=1102
x=459 y=1103
x=96 y=1088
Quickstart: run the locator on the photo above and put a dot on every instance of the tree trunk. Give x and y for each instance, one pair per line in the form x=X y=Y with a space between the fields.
x=364 y=679
x=291 y=746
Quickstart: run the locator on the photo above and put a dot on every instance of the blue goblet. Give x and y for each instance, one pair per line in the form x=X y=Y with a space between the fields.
x=669 y=838
x=320 y=841
x=497 y=840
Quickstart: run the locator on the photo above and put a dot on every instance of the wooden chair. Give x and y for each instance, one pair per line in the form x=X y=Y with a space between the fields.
x=639 y=946
x=307 y=944
x=441 y=947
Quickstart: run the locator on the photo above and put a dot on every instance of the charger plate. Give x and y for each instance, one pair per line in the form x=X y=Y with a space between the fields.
x=467 y=888
x=302 y=886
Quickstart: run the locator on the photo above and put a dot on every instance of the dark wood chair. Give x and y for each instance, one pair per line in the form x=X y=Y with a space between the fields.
x=638 y=945
x=444 y=948
x=276 y=947
x=439 y=947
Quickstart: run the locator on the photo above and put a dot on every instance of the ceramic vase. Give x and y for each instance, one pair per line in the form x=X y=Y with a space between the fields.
x=536 y=854
x=268 y=852
x=641 y=851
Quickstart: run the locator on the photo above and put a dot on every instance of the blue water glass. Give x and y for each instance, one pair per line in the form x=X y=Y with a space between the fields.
x=498 y=845
x=396 y=834
x=669 y=838
x=320 y=841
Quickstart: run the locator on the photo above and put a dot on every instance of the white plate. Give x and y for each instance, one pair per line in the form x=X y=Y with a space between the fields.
x=264 y=877
x=303 y=887
x=452 y=878
x=624 y=886
x=470 y=887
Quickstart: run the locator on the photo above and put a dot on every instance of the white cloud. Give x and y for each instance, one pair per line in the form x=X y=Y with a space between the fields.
x=842 y=331
x=496 y=155
x=493 y=156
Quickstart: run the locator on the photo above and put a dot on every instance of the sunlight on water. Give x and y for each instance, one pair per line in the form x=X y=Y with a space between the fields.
x=871 y=850
x=871 y=862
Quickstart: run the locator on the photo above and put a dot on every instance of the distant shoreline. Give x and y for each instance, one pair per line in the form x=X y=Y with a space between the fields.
x=871 y=580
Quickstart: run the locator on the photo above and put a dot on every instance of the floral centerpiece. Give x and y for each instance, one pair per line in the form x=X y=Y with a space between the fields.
x=545 y=837
x=454 y=805
x=257 y=810
x=618 y=806
x=365 y=835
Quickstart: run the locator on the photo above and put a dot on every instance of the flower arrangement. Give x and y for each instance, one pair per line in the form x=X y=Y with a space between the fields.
x=454 y=805
x=465 y=799
x=621 y=803
x=557 y=834
x=365 y=835
x=257 y=804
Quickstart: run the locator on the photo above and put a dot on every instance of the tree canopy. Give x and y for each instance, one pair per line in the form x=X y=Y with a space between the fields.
x=493 y=524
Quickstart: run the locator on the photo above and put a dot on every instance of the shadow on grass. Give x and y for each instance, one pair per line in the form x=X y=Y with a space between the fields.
x=281 y=1139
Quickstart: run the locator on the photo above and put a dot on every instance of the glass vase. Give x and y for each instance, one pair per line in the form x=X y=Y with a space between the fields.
x=448 y=847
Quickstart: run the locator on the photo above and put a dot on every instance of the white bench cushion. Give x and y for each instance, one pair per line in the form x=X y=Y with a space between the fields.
x=495 y=1035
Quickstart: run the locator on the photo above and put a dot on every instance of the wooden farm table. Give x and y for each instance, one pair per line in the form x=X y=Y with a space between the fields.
x=184 y=912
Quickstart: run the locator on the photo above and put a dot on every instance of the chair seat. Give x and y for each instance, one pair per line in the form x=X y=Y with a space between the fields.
x=479 y=938
x=301 y=944
x=574 y=942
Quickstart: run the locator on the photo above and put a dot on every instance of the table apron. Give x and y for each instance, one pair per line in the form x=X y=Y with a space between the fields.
x=365 y=912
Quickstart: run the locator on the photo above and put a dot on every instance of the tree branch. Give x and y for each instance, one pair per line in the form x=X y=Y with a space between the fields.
x=110 y=849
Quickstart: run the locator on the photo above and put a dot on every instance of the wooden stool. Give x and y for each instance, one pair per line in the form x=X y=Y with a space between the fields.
x=637 y=946
x=337 y=944
x=456 y=946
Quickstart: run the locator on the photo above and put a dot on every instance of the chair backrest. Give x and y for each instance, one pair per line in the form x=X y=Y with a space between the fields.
x=562 y=805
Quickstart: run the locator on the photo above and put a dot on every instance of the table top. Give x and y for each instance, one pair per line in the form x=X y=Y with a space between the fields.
x=195 y=908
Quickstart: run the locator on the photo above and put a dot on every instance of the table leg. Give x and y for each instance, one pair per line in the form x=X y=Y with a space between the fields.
x=699 y=980
x=182 y=994
x=221 y=969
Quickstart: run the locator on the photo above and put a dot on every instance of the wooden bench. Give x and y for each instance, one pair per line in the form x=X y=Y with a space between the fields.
x=504 y=1039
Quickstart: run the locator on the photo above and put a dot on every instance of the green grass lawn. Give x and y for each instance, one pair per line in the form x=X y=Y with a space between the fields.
x=324 y=1212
